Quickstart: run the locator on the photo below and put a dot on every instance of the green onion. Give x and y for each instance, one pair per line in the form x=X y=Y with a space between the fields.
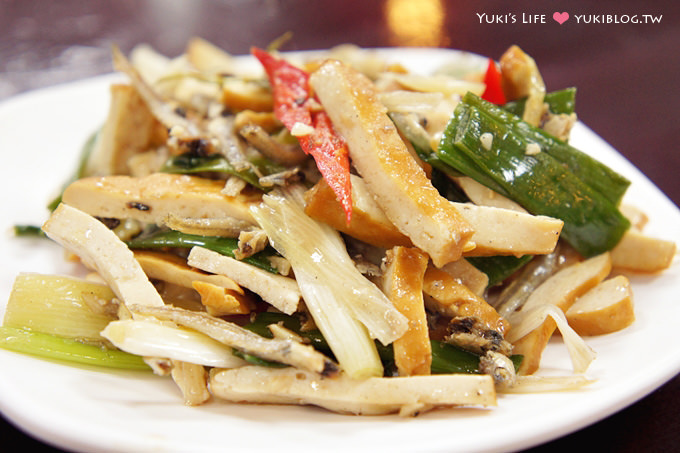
x=347 y=306
x=595 y=174
x=260 y=322
x=446 y=358
x=541 y=183
x=68 y=350
x=29 y=231
x=561 y=101
x=85 y=153
x=223 y=245
x=498 y=268
x=58 y=305
x=255 y=360
x=153 y=339
x=189 y=163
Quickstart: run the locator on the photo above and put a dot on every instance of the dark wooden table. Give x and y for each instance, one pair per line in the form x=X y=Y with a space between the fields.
x=626 y=73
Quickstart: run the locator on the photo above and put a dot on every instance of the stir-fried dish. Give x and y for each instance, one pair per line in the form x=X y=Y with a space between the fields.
x=333 y=229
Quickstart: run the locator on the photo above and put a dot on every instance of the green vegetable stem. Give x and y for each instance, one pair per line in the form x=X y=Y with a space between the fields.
x=66 y=349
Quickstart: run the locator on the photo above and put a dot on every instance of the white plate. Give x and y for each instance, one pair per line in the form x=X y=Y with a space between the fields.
x=89 y=409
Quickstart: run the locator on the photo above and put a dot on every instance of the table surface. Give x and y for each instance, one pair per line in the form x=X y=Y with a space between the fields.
x=626 y=74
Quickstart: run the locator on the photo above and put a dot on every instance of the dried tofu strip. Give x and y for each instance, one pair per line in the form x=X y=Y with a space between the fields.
x=130 y=129
x=369 y=223
x=537 y=384
x=403 y=285
x=281 y=292
x=372 y=396
x=481 y=195
x=521 y=77
x=447 y=295
x=284 y=351
x=463 y=271
x=100 y=249
x=172 y=268
x=497 y=231
x=154 y=198
x=506 y=232
x=560 y=291
x=604 y=309
x=220 y=301
x=397 y=182
x=640 y=253
x=239 y=93
x=219 y=294
x=162 y=110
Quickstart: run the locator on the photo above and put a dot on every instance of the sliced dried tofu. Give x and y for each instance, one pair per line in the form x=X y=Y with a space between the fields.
x=604 y=309
x=506 y=232
x=521 y=78
x=403 y=285
x=279 y=291
x=266 y=120
x=637 y=252
x=100 y=249
x=560 y=290
x=372 y=396
x=153 y=198
x=369 y=223
x=463 y=271
x=394 y=178
x=243 y=94
x=130 y=128
x=497 y=231
x=447 y=295
x=173 y=269
x=220 y=301
x=219 y=294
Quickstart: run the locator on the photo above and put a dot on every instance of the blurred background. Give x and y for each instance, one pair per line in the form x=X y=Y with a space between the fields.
x=626 y=73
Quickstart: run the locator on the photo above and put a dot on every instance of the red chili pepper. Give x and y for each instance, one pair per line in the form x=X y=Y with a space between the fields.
x=494 y=89
x=293 y=103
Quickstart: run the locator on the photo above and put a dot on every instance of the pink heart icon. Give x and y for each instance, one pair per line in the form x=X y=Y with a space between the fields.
x=561 y=18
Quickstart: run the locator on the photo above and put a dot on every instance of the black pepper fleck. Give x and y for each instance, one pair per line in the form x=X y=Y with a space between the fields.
x=139 y=206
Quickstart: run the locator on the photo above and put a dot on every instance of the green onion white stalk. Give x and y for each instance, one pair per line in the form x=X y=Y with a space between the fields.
x=153 y=339
x=523 y=322
x=58 y=305
x=348 y=308
x=66 y=349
